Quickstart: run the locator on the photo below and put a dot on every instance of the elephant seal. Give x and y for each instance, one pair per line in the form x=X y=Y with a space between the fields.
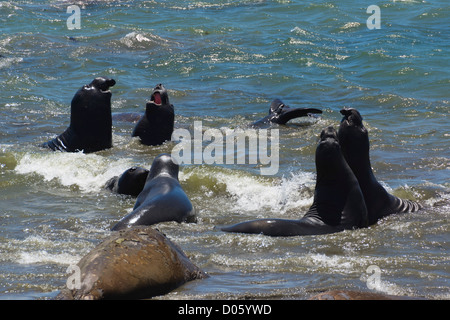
x=354 y=141
x=90 y=128
x=162 y=199
x=156 y=126
x=130 y=182
x=280 y=113
x=338 y=201
x=135 y=263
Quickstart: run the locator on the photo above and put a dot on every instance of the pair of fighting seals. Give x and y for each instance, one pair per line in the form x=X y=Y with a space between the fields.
x=90 y=128
x=347 y=194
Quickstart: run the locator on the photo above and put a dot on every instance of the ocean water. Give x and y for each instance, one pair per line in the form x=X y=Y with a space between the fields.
x=223 y=62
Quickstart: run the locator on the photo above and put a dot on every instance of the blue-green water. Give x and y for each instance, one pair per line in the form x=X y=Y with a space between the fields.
x=223 y=62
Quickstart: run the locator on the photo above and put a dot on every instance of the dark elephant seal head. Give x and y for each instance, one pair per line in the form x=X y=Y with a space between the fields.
x=354 y=141
x=130 y=182
x=90 y=126
x=328 y=155
x=156 y=126
x=159 y=97
x=352 y=132
x=164 y=165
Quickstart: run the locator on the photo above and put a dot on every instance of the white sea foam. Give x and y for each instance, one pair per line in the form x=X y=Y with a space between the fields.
x=37 y=249
x=256 y=193
x=87 y=171
x=42 y=256
x=143 y=40
x=7 y=62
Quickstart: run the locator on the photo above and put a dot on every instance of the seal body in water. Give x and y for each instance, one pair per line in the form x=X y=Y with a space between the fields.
x=338 y=201
x=156 y=125
x=280 y=113
x=162 y=199
x=90 y=128
x=354 y=141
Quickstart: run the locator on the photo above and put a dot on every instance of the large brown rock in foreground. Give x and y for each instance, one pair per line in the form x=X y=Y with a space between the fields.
x=134 y=263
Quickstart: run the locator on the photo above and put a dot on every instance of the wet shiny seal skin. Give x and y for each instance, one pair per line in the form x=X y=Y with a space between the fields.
x=281 y=113
x=90 y=128
x=135 y=263
x=156 y=126
x=131 y=182
x=354 y=141
x=338 y=201
x=162 y=199
x=357 y=295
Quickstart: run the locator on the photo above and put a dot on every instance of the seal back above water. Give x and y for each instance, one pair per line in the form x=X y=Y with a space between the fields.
x=162 y=199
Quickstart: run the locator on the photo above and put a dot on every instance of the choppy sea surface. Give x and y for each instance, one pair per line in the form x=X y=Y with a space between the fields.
x=223 y=62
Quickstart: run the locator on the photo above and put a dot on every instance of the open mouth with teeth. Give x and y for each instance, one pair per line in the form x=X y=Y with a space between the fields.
x=159 y=96
x=156 y=98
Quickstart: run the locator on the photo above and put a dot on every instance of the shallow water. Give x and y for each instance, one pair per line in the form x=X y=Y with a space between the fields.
x=223 y=62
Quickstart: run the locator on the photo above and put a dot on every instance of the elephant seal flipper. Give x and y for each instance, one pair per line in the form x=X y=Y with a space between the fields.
x=90 y=128
x=157 y=124
x=338 y=201
x=280 y=113
x=354 y=141
x=162 y=198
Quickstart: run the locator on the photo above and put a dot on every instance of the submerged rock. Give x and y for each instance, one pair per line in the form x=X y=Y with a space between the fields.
x=134 y=263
